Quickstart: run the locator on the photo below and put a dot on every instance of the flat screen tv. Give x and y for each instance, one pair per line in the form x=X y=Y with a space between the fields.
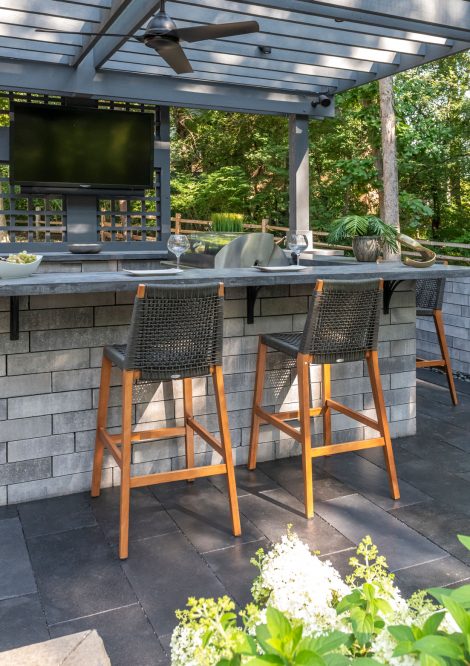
x=71 y=148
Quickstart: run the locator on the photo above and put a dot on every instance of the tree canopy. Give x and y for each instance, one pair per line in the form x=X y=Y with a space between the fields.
x=239 y=162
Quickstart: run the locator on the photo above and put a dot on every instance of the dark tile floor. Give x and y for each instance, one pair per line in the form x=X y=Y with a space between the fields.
x=60 y=572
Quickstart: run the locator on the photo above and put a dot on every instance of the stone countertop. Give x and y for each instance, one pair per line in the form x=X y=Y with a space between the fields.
x=71 y=283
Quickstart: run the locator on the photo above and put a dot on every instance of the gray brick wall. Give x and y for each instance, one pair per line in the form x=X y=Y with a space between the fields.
x=456 y=311
x=49 y=382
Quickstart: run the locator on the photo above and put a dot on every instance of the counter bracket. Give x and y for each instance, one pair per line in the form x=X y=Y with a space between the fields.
x=251 y=296
x=14 y=317
x=389 y=289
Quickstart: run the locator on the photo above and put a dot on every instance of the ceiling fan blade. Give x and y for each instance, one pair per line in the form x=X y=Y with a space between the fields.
x=173 y=55
x=216 y=31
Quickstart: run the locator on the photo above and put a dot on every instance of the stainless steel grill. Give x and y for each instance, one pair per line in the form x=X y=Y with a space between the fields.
x=230 y=250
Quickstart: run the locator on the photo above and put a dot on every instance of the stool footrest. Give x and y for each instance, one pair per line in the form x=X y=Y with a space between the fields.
x=430 y=363
x=144 y=435
x=357 y=416
x=178 y=475
x=206 y=435
x=108 y=440
x=288 y=416
x=274 y=420
x=357 y=445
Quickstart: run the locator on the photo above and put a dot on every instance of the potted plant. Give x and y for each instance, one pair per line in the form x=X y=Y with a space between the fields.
x=227 y=222
x=368 y=233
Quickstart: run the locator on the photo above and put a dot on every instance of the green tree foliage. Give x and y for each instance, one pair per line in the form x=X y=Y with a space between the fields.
x=239 y=162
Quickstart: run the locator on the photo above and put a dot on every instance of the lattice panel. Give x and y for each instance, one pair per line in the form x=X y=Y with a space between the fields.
x=135 y=218
x=27 y=218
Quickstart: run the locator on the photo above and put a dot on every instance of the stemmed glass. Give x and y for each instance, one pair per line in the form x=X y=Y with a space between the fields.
x=297 y=243
x=178 y=244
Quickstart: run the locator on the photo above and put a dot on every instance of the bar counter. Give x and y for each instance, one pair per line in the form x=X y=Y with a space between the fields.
x=49 y=375
x=85 y=282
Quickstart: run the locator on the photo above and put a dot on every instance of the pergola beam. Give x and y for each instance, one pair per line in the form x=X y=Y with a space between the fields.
x=449 y=19
x=129 y=15
x=165 y=90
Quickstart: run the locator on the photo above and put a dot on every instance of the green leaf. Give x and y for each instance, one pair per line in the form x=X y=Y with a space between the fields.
x=465 y=540
x=458 y=613
x=401 y=633
x=440 y=646
x=308 y=658
x=247 y=645
x=432 y=623
x=405 y=647
x=263 y=636
x=266 y=659
x=335 y=659
x=278 y=624
x=330 y=642
x=428 y=660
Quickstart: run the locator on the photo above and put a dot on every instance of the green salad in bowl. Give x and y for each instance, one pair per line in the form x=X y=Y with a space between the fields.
x=19 y=265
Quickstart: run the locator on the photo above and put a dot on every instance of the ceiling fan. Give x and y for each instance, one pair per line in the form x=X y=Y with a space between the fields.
x=162 y=35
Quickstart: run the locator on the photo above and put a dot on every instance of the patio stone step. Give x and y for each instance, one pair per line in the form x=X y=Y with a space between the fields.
x=83 y=649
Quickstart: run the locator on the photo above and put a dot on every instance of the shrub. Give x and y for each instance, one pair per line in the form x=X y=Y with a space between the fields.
x=304 y=614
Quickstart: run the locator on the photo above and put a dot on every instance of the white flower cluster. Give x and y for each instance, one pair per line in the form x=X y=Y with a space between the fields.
x=186 y=644
x=301 y=585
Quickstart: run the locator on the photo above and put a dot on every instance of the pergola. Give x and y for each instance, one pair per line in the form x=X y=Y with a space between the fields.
x=316 y=47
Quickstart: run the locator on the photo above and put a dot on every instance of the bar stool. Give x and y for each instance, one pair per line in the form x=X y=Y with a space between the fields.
x=342 y=325
x=429 y=298
x=175 y=333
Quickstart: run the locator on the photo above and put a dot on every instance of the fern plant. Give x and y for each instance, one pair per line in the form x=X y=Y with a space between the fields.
x=227 y=222
x=350 y=226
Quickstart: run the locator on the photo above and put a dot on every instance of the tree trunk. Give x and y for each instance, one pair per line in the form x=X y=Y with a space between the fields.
x=389 y=153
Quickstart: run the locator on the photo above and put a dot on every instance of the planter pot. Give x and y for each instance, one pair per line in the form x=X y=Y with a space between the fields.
x=366 y=248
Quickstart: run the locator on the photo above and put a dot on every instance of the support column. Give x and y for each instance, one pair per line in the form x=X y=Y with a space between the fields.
x=162 y=160
x=299 y=193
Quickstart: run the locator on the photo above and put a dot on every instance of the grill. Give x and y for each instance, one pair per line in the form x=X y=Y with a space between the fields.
x=230 y=250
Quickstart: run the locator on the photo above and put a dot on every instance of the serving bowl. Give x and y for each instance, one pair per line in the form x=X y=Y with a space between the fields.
x=84 y=248
x=9 y=270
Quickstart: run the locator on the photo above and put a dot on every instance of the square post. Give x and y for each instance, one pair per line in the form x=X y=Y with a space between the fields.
x=299 y=191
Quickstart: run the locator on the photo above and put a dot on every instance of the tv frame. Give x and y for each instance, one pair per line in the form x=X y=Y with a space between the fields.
x=67 y=187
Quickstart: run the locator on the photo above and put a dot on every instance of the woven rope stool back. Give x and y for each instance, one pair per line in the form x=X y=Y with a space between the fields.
x=343 y=321
x=429 y=295
x=176 y=332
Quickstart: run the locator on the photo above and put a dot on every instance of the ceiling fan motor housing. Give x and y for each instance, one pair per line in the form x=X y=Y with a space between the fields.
x=160 y=25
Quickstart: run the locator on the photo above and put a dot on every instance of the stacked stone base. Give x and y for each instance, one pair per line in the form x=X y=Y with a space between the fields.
x=49 y=382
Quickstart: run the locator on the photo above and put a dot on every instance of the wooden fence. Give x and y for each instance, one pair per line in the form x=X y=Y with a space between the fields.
x=180 y=225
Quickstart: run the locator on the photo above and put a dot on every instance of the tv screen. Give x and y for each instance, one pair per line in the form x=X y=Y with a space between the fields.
x=80 y=147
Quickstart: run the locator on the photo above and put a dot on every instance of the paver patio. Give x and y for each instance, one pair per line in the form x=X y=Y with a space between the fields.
x=61 y=573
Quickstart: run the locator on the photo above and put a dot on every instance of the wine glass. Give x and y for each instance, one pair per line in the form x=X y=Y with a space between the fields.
x=297 y=243
x=178 y=244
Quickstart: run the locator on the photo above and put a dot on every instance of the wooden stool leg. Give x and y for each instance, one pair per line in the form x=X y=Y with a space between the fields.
x=103 y=401
x=441 y=335
x=326 y=395
x=257 y=401
x=303 y=373
x=188 y=413
x=127 y=383
x=218 y=379
x=377 y=393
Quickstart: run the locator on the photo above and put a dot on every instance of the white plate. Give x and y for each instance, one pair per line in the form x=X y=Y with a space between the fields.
x=278 y=269
x=157 y=271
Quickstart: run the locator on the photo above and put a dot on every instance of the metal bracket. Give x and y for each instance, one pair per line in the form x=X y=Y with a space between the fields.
x=389 y=288
x=251 y=296
x=14 y=317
